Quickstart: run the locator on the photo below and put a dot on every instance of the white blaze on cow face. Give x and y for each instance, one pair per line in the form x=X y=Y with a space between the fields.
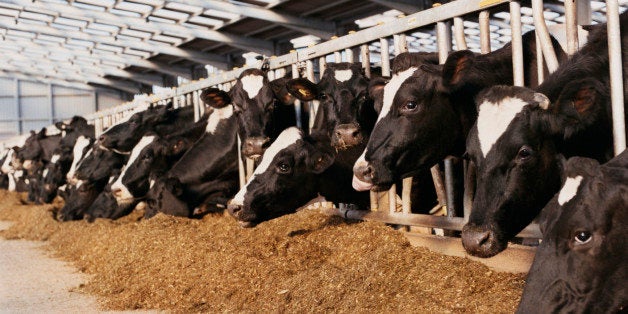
x=77 y=155
x=125 y=195
x=494 y=119
x=55 y=158
x=288 y=137
x=343 y=75
x=391 y=89
x=569 y=190
x=216 y=116
x=358 y=184
x=252 y=84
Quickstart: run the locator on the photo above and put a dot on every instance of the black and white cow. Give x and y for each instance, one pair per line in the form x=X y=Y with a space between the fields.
x=428 y=110
x=521 y=136
x=262 y=109
x=206 y=176
x=162 y=120
x=294 y=170
x=580 y=266
x=345 y=112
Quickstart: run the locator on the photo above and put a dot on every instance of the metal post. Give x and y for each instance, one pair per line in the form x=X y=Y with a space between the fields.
x=541 y=29
x=571 y=26
x=309 y=72
x=52 y=104
x=449 y=187
x=365 y=57
x=18 y=108
x=385 y=52
x=241 y=172
x=485 y=32
x=406 y=195
x=615 y=63
x=584 y=12
x=469 y=188
x=400 y=44
x=250 y=167
x=461 y=41
x=195 y=103
x=540 y=66
x=297 y=103
x=349 y=54
x=337 y=56
x=443 y=38
x=392 y=199
x=517 y=43
x=322 y=66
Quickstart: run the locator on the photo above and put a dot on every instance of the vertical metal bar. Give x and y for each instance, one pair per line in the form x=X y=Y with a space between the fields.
x=400 y=43
x=309 y=72
x=374 y=200
x=337 y=56
x=18 y=109
x=349 y=54
x=385 y=52
x=443 y=38
x=322 y=65
x=449 y=187
x=485 y=32
x=406 y=195
x=365 y=57
x=540 y=28
x=469 y=188
x=297 y=103
x=250 y=167
x=461 y=41
x=439 y=185
x=571 y=26
x=615 y=64
x=540 y=66
x=584 y=12
x=195 y=102
x=517 y=43
x=52 y=104
x=392 y=199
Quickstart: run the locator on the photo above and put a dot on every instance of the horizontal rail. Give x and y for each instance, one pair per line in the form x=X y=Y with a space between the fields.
x=449 y=223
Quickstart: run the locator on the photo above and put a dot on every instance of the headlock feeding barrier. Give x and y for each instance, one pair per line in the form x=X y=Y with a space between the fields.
x=374 y=43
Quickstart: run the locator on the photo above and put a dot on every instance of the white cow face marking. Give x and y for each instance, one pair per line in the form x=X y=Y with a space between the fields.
x=288 y=137
x=124 y=195
x=55 y=158
x=343 y=75
x=391 y=89
x=77 y=155
x=252 y=84
x=216 y=116
x=494 y=119
x=569 y=190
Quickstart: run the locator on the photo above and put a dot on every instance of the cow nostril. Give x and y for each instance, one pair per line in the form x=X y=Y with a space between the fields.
x=266 y=143
x=482 y=238
x=234 y=210
x=355 y=133
x=101 y=138
x=116 y=192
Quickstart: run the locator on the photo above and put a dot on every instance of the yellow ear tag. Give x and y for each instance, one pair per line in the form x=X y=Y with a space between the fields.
x=303 y=92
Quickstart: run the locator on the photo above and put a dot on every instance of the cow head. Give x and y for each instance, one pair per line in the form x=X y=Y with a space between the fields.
x=106 y=206
x=580 y=265
x=288 y=172
x=98 y=164
x=79 y=198
x=71 y=131
x=165 y=196
x=32 y=148
x=254 y=101
x=53 y=175
x=123 y=136
x=345 y=109
x=516 y=147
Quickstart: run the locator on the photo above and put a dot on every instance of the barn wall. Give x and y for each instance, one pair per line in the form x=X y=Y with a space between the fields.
x=29 y=105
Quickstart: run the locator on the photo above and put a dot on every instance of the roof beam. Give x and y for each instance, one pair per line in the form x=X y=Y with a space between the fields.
x=311 y=26
x=69 y=11
x=35 y=78
x=193 y=55
x=126 y=60
x=120 y=85
x=408 y=7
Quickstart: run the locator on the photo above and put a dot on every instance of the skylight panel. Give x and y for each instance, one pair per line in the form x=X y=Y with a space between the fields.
x=125 y=13
x=134 y=7
x=221 y=14
x=21 y=34
x=169 y=14
x=205 y=21
x=88 y=6
x=64 y=27
x=71 y=22
x=135 y=33
x=183 y=7
x=36 y=16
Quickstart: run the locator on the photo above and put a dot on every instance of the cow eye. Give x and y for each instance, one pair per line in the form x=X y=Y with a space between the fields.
x=582 y=237
x=524 y=152
x=283 y=167
x=147 y=157
x=410 y=106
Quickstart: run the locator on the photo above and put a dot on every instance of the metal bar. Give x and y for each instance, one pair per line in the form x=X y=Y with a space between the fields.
x=449 y=223
x=250 y=167
x=385 y=55
x=365 y=57
x=297 y=103
x=241 y=172
x=469 y=188
x=309 y=72
x=615 y=64
x=374 y=196
x=449 y=187
x=443 y=38
x=571 y=26
x=392 y=199
x=322 y=65
x=400 y=44
x=517 y=43
x=439 y=185
x=461 y=41
x=51 y=104
x=406 y=197
x=540 y=65
x=541 y=29
x=196 y=103
x=18 y=108
x=485 y=32
x=337 y=56
x=349 y=54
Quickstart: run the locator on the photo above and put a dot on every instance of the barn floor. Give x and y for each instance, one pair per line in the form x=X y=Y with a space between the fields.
x=306 y=262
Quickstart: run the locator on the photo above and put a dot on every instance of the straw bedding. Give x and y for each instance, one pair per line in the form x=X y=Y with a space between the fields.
x=305 y=262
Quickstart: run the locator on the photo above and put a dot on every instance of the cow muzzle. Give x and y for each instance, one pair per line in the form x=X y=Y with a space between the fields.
x=362 y=176
x=235 y=210
x=254 y=146
x=347 y=135
x=480 y=241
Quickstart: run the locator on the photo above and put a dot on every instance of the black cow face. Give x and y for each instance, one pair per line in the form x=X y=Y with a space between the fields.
x=255 y=101
x=345 y=110
x=53 y=175
x=516 y=146
x=122 y=137
x=288 y=172
x=99 y=164
x=106 y=206
x=165 y=196
x=580 y=266
x=32 y=147
x=410 y=133
x=71 y=131
x=79 y=199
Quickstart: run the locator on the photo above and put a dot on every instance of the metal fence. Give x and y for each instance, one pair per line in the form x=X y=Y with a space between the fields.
x=391 y=40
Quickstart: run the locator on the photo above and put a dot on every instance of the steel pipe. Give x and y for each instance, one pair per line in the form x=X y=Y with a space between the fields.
x=517 y=43
x=385 y=55
x=443 y=38
x=485 y=32
x=541 y=29
x=461 y=41
x=571 y=26
x=365 y=58
x=615 y=64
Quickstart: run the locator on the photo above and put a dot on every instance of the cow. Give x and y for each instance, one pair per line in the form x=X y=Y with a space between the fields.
x=162 y=120
x=580 y=266
x=262 y=108
x=345 y=111
x=4 y=177
x=522 y=135
x=206 y=176
x=38 y=146
x=105 y=204
x=428 y=110
x=293 y=170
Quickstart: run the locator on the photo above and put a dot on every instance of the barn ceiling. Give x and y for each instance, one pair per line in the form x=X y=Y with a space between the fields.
x=131 y=45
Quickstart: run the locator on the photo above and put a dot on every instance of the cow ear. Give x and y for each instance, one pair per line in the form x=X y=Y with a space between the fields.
x=302 y=89
x=60 y=125
x=215 y=97
x=456 y=67
x=280 y=90
x=319 y=161
x=581 y=104
x=42 y=133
